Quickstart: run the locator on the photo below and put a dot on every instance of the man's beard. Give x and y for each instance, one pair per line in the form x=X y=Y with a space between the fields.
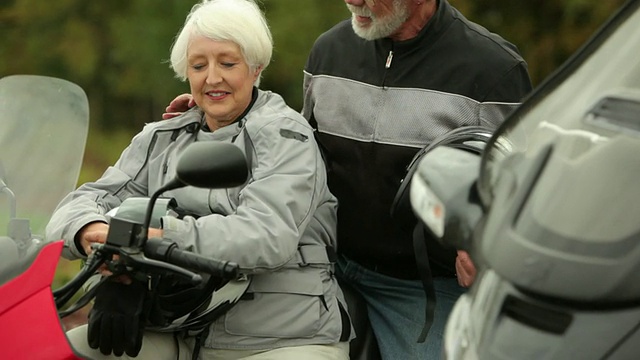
x=379 y=28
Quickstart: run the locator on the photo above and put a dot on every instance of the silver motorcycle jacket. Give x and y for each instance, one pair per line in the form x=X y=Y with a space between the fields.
x=277 y=226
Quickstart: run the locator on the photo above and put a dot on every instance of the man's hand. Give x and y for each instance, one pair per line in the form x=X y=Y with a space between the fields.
x=465 y=269
x=179 y=105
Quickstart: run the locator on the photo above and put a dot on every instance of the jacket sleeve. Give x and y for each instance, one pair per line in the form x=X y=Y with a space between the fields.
x=92 y=200
x=307 y=84
x=513 y=86
x=308 y=102
x=273 y=209
x=507 y=94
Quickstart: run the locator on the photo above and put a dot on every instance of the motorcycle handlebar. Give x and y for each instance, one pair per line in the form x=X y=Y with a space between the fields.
x=167 y=251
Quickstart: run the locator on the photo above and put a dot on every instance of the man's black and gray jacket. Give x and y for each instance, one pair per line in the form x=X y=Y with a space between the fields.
x=376 y=103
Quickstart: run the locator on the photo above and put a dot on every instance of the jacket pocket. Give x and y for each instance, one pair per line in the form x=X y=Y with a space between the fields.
x=285 y=304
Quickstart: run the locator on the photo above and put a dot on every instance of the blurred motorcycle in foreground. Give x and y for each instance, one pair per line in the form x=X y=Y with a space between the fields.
x=549 y=212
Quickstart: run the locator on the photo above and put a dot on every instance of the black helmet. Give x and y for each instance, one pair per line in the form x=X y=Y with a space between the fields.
x=178 y=306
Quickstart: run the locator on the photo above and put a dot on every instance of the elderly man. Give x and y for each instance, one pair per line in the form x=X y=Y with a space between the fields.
x=377 y=88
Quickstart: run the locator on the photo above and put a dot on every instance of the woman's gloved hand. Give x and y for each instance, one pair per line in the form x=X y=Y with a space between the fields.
x=116 y=321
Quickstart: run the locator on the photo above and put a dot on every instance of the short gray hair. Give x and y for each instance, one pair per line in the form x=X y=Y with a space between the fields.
x=239 y=21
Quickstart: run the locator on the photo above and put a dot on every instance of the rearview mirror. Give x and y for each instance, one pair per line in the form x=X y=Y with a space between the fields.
x=212 y=165
x=444 y=197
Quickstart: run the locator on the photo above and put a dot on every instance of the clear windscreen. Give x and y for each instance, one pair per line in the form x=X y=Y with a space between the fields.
x=43 y=129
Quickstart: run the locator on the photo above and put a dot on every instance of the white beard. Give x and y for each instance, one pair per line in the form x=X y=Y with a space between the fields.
x=379 y=28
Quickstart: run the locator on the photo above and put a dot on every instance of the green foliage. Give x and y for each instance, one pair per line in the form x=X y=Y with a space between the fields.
x=117 y=50
x=546 y=32
x=78 y=36
x=295 y=25
x=102 y=151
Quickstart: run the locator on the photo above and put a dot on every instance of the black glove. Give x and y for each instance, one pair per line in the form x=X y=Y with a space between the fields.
x=116 y=321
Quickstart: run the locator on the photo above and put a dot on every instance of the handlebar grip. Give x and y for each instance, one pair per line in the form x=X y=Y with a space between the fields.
x=164 y=250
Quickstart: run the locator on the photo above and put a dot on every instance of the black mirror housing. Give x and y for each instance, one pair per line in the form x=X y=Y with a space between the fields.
x=212 y=164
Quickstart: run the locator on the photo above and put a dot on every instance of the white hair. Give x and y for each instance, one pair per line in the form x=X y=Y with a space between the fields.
x=239 y=21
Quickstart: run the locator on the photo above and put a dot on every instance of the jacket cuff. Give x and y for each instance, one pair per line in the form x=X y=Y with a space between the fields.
x=172 y=227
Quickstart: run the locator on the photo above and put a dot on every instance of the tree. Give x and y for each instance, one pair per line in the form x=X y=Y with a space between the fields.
x=546 y=32
x=117 y=50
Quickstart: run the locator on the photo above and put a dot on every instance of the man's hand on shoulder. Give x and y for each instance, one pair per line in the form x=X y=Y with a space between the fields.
x=178 y=105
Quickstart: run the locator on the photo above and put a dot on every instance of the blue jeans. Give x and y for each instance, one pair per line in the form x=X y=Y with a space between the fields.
x=396 y=310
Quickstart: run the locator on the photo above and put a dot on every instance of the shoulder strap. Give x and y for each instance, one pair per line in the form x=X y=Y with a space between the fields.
x=422 y=261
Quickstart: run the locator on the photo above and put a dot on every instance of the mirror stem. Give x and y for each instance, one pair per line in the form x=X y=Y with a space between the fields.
x=144 y=231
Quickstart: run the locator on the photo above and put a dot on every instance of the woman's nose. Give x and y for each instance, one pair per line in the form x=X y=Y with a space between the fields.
x=213 y=75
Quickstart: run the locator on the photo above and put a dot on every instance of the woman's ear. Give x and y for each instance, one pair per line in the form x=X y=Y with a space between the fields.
x=256 y=74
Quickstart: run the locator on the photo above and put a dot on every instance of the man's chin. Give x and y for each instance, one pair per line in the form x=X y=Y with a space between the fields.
x=370 y=30
x=365 y=31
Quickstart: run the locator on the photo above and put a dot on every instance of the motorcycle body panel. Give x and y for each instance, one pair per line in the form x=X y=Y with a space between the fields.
x=29 y=315
x=557 y=243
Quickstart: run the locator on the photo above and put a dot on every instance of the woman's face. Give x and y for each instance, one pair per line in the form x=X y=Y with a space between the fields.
x=220 y=79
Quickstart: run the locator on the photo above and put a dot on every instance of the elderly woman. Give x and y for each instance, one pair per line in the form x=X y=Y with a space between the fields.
x=293 y=310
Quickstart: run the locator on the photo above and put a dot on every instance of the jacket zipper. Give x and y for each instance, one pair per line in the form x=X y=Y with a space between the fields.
x=389 y=59
x=387 y=66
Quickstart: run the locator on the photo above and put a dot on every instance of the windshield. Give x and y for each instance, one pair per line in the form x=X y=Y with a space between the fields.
x=43 y=129
x=573 y=146
x=575 y=109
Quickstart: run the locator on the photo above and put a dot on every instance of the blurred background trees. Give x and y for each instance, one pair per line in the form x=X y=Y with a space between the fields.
x=117 y=50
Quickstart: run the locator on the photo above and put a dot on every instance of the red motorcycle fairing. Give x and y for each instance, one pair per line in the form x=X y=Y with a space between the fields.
x=31 y=328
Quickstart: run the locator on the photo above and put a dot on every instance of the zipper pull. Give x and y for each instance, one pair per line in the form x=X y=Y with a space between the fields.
x=389 y=58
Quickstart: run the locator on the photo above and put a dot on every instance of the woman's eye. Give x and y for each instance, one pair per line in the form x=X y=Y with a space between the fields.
x=197 y=66
x=226 y=64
